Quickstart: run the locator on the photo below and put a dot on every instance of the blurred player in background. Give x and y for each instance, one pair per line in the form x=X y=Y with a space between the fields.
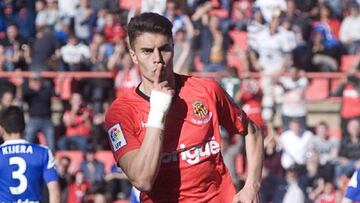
x=24 y=166
x=352 y=194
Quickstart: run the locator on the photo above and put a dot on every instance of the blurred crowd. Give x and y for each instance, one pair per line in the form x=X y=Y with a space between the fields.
x=282 y=40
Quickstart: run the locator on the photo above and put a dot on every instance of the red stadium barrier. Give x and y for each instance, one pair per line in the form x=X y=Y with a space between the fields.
x=332 y=78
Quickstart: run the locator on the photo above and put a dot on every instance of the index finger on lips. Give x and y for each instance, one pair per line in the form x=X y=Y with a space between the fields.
x=157 y=74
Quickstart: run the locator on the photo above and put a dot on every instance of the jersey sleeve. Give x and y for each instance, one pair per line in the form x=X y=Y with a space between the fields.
x=231 y=116
x=119 y=122
x=49 y=170
x=353 y=189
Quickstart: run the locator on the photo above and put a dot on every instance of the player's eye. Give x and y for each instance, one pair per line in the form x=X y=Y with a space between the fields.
x=147 y=51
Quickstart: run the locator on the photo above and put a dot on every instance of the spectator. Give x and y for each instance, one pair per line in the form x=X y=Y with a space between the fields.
x=179 y=20
x=232 y=148
x=44 y=49
x=327 y=148
x=293 y=194
x=77 y=121
x=295 y=143
x=329 y=194
x=349 y=155
x=78 y=188
x=241 y=13
x=82 y=21
x=63 y=165
x=6 y=16
x=293 y=105
x=127 y=74
x=38 y=96
x=349 y=90
x=255 y=26
x=7 y=99
x=67 y=8
x=274 y=57
x=270 y=8
x=99 y=52
x=350 y=29
x=25 y=18
x=249 y=97
x=324 y=50
x=47 y=13
x=273 y=184
x=112 y=29
x=93 y=169
x=299 y=23
x=214 y=41
x=183 y=30
x=328 y=21
x=183 y=53
x=75 y=56
x=16 y=51
x=98 y=131
x=156 y=6
x=117 y=184
x=104 y=4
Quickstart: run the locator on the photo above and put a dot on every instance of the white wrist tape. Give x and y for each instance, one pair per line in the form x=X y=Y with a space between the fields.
x=159 y=105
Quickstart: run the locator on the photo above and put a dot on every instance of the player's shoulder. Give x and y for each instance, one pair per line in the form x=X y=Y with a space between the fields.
x=126 y=100
x=123 y=105
x=203 y=83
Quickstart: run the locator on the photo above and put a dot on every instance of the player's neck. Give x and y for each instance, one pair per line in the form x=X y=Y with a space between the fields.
x=11 y=136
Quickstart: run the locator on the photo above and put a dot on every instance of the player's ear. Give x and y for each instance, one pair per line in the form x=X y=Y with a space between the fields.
x=133 y=56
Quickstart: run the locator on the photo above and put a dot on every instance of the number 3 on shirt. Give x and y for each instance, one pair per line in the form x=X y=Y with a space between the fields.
x=19 y=175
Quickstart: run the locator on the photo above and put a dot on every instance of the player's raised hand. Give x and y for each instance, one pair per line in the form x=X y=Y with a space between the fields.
x=160 y=99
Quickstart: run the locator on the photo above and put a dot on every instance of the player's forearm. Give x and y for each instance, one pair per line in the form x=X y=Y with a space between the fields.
x=144 y=169
x=254 y=151
x=54 y=192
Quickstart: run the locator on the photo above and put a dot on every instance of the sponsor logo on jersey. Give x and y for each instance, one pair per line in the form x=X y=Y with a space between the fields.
x=200 y=109
x=194 y=154
x=117 y=137
x=203 y=115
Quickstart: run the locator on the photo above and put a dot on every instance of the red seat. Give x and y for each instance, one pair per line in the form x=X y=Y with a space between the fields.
x=233 y=60
x=335 y=132
x=318 y=89
x=347 y=61
x=240 y=39
x=127 y=5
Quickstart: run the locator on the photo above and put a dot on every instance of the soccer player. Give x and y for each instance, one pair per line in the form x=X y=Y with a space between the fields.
x=353 y=191
x=24 y=166
x=165 y=134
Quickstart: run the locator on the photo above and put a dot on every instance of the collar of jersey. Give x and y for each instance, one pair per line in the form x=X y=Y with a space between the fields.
x=17 y=141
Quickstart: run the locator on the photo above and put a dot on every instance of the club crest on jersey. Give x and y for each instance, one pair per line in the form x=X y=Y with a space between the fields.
x=117 y=137
x=200 y=109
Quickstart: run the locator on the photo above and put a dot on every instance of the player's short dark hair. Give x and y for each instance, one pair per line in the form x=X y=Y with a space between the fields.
x=12 y=120
x=148 y=22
